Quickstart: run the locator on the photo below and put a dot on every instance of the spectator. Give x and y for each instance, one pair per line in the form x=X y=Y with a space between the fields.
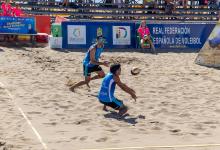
x=118 y=3
x=33 y=3
x=203 y=2
x=213 y=5
x=108 y=3
x=3 y=8
x=151 y=4
x=185 y=3
x=17 y=12
x=169 y=7
x=6 y=9
x=65 y=3
x=145 y=36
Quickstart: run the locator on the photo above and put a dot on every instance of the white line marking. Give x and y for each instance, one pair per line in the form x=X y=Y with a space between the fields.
x=25 y=117
x=159 y=146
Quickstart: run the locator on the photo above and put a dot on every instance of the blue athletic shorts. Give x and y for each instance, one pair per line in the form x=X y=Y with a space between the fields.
x=88 y=70
x=115 y=105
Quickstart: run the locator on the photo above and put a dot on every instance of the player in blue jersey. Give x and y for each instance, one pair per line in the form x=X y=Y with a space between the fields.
x=106 y=93
x=91 y=63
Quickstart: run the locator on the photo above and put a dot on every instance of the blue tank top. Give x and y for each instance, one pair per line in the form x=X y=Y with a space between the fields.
x=106 y=93
x=98 y=52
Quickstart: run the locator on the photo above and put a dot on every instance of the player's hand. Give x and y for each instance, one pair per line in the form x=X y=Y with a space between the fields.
x=134 y=96
x=106 y=63
x=132 y=91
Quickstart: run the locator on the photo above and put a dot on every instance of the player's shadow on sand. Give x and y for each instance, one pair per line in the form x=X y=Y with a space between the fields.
x=126 y=118
x=1 y=50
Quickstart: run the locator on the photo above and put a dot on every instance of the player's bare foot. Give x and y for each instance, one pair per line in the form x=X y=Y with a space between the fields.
x=72 y=88
x=88 y=85
x=123 y=110
x=105 y=108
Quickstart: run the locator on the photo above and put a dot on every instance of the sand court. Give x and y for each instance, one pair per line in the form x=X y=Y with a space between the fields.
x=178 y=102
x=15 y=131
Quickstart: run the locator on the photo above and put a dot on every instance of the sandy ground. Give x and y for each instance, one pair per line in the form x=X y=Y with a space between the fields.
x=178 y=102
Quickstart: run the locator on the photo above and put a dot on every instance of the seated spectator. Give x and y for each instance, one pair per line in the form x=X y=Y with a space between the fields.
x=6 y=8
x=213 y=4
x=151 y=4
x=203 y=2
x=2 y=7
x=16 y=11
x=169 y=6
x=108 y=3
x=185 y=3
x=145 y=36
x=118 y=3
x=65 y=3
x=33 y=3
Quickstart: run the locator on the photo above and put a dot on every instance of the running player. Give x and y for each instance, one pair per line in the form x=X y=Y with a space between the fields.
x=92 y=64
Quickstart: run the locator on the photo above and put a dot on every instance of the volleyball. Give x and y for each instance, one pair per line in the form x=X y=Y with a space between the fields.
x=135 y=71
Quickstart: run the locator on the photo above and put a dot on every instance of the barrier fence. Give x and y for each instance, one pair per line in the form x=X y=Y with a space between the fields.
x=166 y=36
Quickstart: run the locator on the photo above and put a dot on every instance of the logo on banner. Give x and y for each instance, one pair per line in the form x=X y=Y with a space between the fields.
x=76 y=34
x=99 y=31
x=121 y=35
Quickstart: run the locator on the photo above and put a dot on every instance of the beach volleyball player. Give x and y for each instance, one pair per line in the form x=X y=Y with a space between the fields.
x=106 y=93
x=92 y=64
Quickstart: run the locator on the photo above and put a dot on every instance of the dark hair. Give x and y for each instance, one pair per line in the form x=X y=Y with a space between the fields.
x=114 y=68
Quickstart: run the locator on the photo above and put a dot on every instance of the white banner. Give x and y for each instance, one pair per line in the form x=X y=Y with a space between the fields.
x=76 y=34
x=121 y=35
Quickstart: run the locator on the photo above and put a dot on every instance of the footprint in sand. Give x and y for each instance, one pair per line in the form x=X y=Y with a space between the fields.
x=156 y=128
x=176 y=132
x=213 y=127
x=199 y=127
x=86 y=104
x=102 y=139
x=88 y=129
x=163 y=104
x=143 y=130
x=74 y=138
x=150 y=107
x=52 y=123
x=2 y=143
x=83 y=121
x=83 y=138
x=34 y=112
x=113 y=130
x=217 y=110
x=210 y=122
x=184 y=115
x=194 y=134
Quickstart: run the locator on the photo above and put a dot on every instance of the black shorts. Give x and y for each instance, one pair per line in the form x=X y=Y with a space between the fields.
x=113 y=104
x=88 y=70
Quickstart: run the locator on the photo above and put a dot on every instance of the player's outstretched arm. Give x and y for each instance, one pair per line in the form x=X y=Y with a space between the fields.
x=93 y=61
x=125 y=88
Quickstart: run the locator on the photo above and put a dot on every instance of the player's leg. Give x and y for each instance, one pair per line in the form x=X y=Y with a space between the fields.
x=80 y=83
x=99 y=71
x=118 y=105
x=87 y=75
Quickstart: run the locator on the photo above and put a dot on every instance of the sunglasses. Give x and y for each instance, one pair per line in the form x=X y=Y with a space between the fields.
x=101 y=40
